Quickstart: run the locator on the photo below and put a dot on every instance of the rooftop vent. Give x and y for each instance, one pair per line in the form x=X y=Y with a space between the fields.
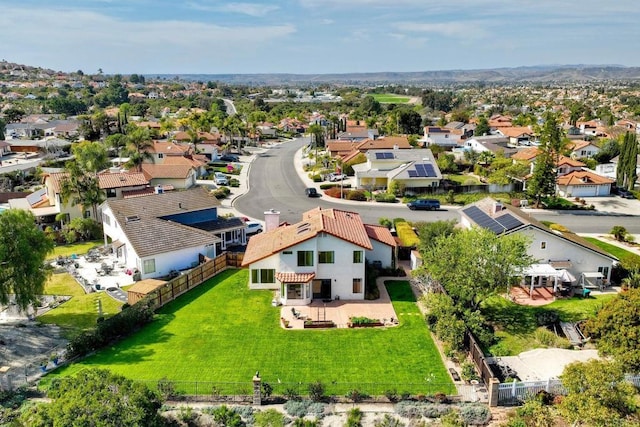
x=132 y=218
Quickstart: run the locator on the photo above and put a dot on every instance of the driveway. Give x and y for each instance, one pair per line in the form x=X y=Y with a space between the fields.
x=615 y=205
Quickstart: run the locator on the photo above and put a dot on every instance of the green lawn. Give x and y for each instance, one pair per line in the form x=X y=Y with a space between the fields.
x=80 y=312
x=223 y=333
x=389 y=98
x=516 y=324
x=608 y=247
x=76 y=248
x=463 y=179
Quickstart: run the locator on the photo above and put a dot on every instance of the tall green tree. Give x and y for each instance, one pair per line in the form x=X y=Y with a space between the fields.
x=482 y=128
x=552 y=144
x=3 y=129
x=626 y=173
x=598 y=394
x=138 y=145
x=475 y=263
x=23 y=250
x=616 y=329
x=96 y=397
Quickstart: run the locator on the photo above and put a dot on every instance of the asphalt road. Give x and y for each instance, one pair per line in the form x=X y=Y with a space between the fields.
x=274 y=184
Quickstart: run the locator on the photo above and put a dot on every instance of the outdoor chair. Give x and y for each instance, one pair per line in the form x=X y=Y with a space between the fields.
x=295 y=313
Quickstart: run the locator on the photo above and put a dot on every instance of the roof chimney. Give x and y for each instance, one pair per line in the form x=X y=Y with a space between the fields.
x=271 y=219
x=497 y=207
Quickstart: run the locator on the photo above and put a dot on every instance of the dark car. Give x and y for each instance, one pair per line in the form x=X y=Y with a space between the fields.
x=424 y=205
x=230 y=158
x=626 y=194
x=311 y=192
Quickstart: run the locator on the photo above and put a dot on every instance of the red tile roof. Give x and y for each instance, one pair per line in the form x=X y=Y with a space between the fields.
x=106 y=180
x=527 y=154
x=166 y=171
x=295 y=277
x=583 y=178
x=381 y=234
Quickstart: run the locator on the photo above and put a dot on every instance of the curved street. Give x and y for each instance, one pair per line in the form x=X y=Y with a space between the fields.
x=275 y=184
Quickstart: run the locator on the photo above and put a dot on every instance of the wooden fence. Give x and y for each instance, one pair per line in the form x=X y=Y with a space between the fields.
x=193 y=278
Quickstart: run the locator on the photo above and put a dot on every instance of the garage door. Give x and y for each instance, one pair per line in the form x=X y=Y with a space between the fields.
x=584 y=191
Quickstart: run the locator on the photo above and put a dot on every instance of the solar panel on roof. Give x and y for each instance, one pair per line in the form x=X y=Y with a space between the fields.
x=508 y=221
x=483 y=220
x=380 y=155
x=413 y=174
x=430 y=170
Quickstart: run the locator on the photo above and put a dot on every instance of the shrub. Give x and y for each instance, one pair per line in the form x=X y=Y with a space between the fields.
x=468 y=371
x=166 y=388
x=547 y=317
x=316 y=391
x=362 y=320
x=334 y=192
x=391 y=395
x=291 y=393
x=558 y=227
x=356 y=396
x=388 y=421
x=221 y=192
x=357 y=195
x=354 y=418
x=333 y=185
x=234 y=182
x=268 y=418
x=407 y=236
x=225 y=416
x=301 y=408
x=475 y=414
x=267 y=389
x=385 y=222
x=301 y=422
x=385 y=198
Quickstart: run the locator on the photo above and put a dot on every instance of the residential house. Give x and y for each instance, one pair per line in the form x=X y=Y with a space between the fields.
x=22 y=131
x=414 y=170
x=499 y=121
x=49 y=145
x=179 y=176
x=583 y=183
x=435 y=135
x=493 y=143
x=610 y=170
x=348 y=149
x=321 y=257
x=581 y=149
x=560 y=250
x=518 y=135
x=162 y=232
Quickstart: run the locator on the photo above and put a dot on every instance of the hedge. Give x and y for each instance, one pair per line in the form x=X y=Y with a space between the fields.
x=407 y=236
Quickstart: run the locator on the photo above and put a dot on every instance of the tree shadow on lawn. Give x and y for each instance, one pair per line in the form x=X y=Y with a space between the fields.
x=399 y=291
x=511 y=317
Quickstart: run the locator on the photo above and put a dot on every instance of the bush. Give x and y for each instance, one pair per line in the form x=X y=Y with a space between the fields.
x=316 y=391
x=547 y=317
x=268 y=418
x=357 y=195
x=226 y=416
x=391 y=395
x=385 y=198
x=354 y=418
x=356 y=396
x=385 y=222
x=222 y=192
x=418 y=409
x=302 y=408
x=333 y=185
x=475 y=414
x=407 y=236
x=291 y=393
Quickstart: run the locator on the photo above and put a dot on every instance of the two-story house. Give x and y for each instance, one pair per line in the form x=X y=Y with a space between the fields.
x=321 y=257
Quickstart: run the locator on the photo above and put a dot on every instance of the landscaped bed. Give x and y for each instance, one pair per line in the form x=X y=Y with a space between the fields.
x=222 y=332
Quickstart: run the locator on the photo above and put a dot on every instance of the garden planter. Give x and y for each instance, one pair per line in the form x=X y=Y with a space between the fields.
x=366 y=325
x=318 y=324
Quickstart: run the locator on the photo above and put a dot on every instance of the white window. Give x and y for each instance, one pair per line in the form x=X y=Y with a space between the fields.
x=357 y=286
x=357 y=257
x=107 y=219
x=149 y=266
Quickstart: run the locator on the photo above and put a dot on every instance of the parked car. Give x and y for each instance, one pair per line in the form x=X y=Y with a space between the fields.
x=220 y=179
x=333 y=177
x=424 y=204
x=311 y=192
x=625 y=194
x=230 y=158
x=254 y=227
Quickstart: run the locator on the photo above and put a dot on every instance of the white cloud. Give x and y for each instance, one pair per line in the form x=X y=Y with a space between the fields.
x=327 y=21
x=69 y=39
x=251 y=9
x=454 y=29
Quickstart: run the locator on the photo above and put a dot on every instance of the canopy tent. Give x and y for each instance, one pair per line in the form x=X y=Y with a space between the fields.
x=538 y=271
x=593 y=280
x=566 y=276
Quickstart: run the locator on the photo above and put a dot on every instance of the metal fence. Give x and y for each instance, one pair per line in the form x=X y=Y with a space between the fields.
x=242 y=392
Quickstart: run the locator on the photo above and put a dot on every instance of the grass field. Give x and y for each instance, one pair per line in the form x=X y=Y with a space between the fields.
x=80 y=312
x=222 y=332
x=608 y=247
x=464 y=179
x=516 y=324
x=389 y=98
x=76 y=248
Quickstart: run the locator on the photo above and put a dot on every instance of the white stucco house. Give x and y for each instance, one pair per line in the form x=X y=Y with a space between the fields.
x=583 y=183
x=158 y=233
x=415 y=170
x=321 y=257
x=561 y=251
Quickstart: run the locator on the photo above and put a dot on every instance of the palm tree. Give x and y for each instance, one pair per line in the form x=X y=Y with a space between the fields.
x=138 y=145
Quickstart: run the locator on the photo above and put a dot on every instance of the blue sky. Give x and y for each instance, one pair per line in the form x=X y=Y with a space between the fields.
x=315 y=36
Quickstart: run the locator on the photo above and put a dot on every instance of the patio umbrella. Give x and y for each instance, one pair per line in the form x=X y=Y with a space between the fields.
x=565 y=276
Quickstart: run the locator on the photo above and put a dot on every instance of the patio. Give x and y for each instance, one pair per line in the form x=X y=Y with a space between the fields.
x=97 y=270
x=340 y=311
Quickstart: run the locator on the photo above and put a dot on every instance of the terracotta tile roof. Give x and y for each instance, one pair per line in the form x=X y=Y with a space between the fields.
x=578 y=144
x=141 y=219
x=380 y=233
x=514 y=131
x=193 y=161
x=387 y=142
x=528 y=154
x=583 y=178
x=121 y=179
x=564 y=160
x=169 y=148
x=295 y=277
x=106 y=180
x=180 y=171
x=344 y=225
x=139 y=193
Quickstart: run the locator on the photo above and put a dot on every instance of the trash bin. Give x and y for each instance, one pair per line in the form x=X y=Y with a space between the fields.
x=97 y=287
x=137 y=276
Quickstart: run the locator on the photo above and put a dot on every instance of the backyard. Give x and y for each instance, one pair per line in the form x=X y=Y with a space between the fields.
x=223 y=333
x=390 y=98
x=517 y=327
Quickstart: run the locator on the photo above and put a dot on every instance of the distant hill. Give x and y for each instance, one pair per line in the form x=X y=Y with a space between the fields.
x=534 y=74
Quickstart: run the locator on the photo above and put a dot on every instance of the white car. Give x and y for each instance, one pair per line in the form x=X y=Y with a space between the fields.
x=220 y=179
x=333 y=177
x=254 y=227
